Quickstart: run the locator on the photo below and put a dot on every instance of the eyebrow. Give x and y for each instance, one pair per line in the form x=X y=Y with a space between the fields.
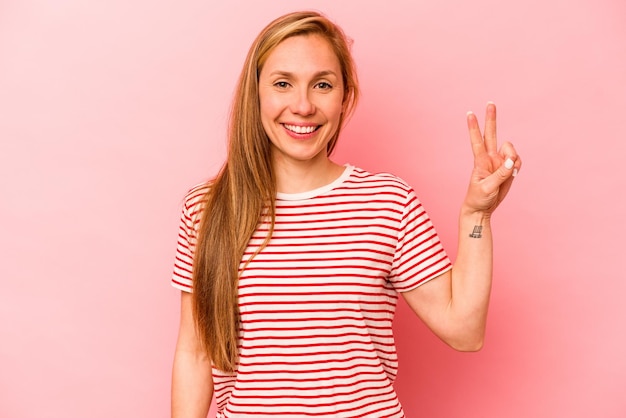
x=317 y=74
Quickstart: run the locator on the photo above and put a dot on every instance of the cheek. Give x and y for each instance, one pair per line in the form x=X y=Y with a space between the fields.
x=337 y=110
x=269 y=113
x=270 y=106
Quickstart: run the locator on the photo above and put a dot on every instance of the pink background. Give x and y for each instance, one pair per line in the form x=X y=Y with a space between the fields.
x=109 y=111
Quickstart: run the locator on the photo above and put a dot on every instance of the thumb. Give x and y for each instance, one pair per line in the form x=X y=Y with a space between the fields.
x=502 y=174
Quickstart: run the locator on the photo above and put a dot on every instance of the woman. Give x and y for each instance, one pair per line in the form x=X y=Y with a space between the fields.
x=291 y=264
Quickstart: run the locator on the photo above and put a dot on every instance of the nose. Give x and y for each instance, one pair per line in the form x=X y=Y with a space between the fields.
x=302 y=103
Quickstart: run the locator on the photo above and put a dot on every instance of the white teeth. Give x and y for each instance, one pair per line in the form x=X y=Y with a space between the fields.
x=301 y=129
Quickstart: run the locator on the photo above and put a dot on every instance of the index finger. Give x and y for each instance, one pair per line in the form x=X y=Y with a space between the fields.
x=491 y=140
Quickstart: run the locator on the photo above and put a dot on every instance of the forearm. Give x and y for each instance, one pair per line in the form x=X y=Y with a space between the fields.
x=471 y=278
x=192 y=385
x=454 y=306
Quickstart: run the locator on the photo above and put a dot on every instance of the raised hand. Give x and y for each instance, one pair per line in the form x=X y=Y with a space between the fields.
x=494 y=169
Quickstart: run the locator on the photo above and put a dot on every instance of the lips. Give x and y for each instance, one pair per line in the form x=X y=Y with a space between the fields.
x=301 y=129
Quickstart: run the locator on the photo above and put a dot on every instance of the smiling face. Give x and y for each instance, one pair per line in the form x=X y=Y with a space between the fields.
x=301 y=96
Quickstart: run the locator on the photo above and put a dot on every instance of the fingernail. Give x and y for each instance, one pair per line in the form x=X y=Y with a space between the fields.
x=508 y=164
x=514 y=172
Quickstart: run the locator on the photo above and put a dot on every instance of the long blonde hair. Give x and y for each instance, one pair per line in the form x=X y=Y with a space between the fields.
x=244 y=191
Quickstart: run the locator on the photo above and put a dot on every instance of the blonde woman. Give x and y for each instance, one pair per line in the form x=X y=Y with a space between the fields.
x=290 y=265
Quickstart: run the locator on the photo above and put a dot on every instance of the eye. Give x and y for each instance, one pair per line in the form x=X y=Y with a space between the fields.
x=281 y=84
x=323 y=85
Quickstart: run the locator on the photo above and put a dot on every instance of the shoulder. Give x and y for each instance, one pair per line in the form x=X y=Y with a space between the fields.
x=196 y=196
x=193 y=203
x=380 y=180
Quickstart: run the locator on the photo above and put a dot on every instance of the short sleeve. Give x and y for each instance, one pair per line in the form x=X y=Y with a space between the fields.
x=182 y=276
x=419 y=255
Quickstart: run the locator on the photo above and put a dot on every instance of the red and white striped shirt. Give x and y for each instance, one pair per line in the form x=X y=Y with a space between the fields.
x=317 y=303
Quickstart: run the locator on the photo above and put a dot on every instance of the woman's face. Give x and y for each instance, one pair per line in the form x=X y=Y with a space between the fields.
x=301 y=95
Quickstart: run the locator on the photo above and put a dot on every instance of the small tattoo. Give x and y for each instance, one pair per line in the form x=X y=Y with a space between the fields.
x=477 y=232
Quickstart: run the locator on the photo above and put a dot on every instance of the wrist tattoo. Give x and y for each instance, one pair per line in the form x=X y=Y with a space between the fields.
x=477 y=232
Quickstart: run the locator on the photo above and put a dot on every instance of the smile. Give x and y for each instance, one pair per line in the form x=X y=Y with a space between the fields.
x=301 y=129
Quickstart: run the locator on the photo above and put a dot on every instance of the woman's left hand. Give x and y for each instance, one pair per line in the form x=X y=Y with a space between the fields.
x=494 y=169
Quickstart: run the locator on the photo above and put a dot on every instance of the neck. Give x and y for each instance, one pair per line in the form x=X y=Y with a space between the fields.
x=303 y=176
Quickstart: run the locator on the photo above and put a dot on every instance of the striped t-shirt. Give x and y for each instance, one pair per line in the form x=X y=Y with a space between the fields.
x=317 y=303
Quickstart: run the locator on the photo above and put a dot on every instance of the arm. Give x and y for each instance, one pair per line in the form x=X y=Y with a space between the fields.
x=192 y=381
x=454 y=305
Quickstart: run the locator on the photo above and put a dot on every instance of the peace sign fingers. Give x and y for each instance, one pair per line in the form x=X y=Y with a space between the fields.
x=493 y=168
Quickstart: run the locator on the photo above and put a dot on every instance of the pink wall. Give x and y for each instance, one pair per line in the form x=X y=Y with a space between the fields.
x=109 y=111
